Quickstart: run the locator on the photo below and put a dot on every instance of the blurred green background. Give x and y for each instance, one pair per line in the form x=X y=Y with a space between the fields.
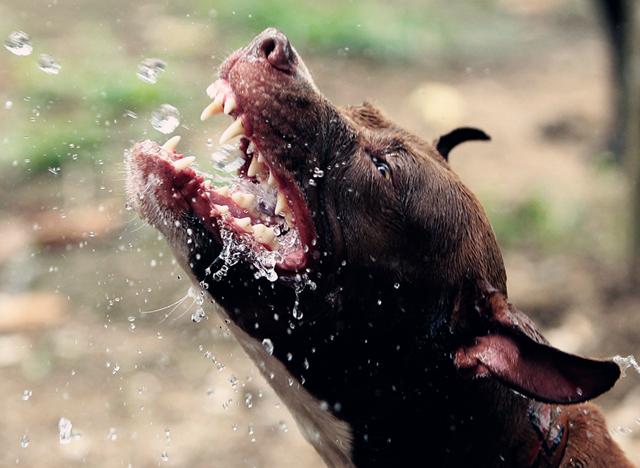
x=82 y=279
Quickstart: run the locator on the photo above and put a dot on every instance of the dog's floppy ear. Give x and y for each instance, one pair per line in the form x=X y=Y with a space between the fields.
x=512 y=351
x=447 y=142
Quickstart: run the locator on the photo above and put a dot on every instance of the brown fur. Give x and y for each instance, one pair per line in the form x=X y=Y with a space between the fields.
x=408 y=339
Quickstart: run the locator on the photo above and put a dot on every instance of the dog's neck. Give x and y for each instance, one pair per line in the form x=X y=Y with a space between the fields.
x=380 y=361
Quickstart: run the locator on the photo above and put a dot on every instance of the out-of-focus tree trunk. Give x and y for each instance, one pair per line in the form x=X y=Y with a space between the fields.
x=616 y=19
x=632 y=140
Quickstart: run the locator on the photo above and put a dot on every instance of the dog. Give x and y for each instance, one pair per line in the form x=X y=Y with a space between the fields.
x=364 y=280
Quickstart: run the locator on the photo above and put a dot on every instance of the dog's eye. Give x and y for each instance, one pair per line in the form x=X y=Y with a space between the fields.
x=383 y=168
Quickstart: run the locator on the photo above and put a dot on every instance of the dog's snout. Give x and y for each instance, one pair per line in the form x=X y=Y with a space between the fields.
x=275 y=47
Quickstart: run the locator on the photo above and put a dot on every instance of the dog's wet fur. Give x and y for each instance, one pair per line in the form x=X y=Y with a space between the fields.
x=405 y=352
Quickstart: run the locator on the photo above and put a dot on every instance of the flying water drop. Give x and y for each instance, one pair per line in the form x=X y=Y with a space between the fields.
x=268 y=345
x=48 y=64
x=150 y=68
x=64 y=431
x=19 y=43
x=165 y=118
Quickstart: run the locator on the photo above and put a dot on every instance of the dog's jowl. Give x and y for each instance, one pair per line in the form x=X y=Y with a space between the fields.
x=350 y=258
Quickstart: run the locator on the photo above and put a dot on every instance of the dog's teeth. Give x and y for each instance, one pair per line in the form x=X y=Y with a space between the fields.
x=212 y=90
x=224 y=191
x=244 y=223
x=261 y=158
x=183 y=163
x=281 y=203
x=235 y=129
x=244 y=200
x=254 y=167
x=171 y=143
x=271 y=180
x=230 y=105
x=222 y=209
x=264 y=234
x=214 y=108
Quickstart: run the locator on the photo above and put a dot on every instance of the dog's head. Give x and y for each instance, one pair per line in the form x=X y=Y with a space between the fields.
x=351 y=207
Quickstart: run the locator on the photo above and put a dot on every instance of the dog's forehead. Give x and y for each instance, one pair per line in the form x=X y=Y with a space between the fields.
x=381 y=136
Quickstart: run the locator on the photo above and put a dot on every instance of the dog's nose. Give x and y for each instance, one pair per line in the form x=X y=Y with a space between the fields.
x=275 y=47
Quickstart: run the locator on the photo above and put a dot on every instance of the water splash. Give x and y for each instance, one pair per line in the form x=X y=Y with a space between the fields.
x=232 y=251
x=625 y=363
x=18 y=43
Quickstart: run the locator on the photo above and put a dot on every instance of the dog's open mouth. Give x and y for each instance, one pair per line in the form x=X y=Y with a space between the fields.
x=245 y=198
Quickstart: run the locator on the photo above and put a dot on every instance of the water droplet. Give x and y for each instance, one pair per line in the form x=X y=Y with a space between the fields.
x=19 y=43
x=165 y=118
x=112 y=435
x=150 y=68
x=48 y=64
x=198 y=315
x=396 y=285
x=164 y=456
x=317 y=172
x=283 y=426
x=8 y=105
x=24 y=441
x=26 y=394
x=64 y=431
x=248 y=400
x=268 y=345
x=312 y=182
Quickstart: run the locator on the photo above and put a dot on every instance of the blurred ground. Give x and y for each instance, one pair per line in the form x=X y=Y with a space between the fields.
x=81 y=278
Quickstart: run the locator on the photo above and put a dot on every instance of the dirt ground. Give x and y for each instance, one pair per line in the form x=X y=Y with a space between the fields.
x=109 y=346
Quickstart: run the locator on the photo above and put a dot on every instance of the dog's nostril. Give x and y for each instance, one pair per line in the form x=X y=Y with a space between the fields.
x=268 y=46
x=275 y=47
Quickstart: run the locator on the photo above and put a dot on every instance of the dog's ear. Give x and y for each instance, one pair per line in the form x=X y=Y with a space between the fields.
x=447 y=142
x=515 y=353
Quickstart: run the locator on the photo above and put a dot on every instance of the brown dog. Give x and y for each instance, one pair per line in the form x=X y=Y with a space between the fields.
x=364 y=280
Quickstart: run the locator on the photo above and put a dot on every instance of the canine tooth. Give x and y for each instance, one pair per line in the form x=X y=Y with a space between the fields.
x=261 y=158
x=281 y=203
x=245 y=200
x=271 y=180
x=184 y=162
x=229 y=105
x=214 y=108
x=244 y=223
x=254 y=167
x=222 y=209
x=171 y=143
x=235 y=129
x=212 y=90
